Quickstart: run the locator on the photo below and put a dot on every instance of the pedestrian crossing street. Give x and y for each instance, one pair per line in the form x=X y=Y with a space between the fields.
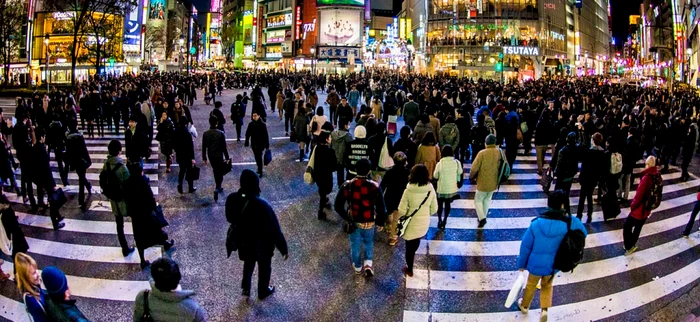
x=86 y=249
x=464 y=273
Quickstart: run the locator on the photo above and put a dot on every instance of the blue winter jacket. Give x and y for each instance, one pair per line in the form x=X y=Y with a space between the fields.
x=541 y=241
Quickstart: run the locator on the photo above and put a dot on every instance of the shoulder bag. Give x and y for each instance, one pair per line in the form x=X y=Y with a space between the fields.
x=309 y=173
x=406 y=219
x=460 y=177
x=231 y=245
x=146 y=316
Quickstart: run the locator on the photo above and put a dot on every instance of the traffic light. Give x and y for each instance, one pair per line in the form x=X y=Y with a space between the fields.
x=560 y=67
x=500 y=55
x=499 y=66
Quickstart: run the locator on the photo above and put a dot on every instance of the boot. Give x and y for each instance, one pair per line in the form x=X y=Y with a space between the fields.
x=301 y=155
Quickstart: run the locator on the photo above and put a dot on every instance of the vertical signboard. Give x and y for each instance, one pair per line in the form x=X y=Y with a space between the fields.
x=132 y=26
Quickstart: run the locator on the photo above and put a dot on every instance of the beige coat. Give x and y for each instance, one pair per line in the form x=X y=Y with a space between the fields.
x=410 y=201
x=280 y=100
x=485 y=169
x=377 y=109
x=428 y=155
x=313 y=100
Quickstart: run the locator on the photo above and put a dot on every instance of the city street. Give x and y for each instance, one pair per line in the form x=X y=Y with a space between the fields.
x=462 y=273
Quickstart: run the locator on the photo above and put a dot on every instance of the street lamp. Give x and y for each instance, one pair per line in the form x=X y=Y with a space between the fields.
x=46 y=44
x=180 y=42
x=313 y=58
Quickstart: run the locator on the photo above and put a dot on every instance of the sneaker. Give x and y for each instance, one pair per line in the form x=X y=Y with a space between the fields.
x=543 y=316
x=369 y=272
x=685 y=236
x=630 y=251
x=393 y=241
x=358 y=270
x=482 y=223
x=520 y=306
x=264 y=295
x=169 y=244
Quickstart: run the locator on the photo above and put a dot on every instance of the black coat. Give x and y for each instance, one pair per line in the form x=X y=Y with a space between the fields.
x=14 y=232
x=76 y=152
x=256 y=230
x=136 y=144
x=325 y=164
x=184 y=146
x=140 y=203
x=41 y=171
x=214 y=146
x=166 y=132
x=393 y=184
x=256 y=134
x=595 y=164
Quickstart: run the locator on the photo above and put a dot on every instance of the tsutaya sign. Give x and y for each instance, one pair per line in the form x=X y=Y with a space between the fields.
x=521 y=50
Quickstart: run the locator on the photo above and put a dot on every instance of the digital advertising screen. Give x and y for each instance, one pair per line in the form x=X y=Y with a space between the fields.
x=340 y=3
x=340 y=27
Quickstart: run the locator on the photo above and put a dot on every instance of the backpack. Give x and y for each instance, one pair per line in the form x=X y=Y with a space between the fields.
x=570 y=251
x=615 y=163
x=236 y=111
x=109 y=183
x=653 y=200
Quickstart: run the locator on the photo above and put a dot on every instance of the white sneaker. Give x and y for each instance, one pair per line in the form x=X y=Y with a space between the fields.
x=358 y=270
x=520 y=306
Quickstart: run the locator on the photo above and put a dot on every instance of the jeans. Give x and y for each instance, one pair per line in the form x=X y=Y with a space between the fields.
x=445 y=204
x=264 y=272
x=631 y=231
x=482 y=200
x=691 y=222
x=545 y=291
x=359 y=238
x=411 y=248
x=512 y=151
x=323 y=200
x=565 y=186
x=624 y=191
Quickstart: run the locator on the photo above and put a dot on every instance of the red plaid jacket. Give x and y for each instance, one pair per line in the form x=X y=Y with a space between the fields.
x=362 y=198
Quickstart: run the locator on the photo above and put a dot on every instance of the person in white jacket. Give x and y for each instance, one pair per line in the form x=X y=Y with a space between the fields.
x=447 y=172
x=419 y=198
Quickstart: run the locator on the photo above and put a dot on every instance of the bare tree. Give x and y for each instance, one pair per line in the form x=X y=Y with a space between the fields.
x=105 y=28
x=173 y=33
x=228 y=41
x=82 y=15
x=155 y=38
x=13 y=13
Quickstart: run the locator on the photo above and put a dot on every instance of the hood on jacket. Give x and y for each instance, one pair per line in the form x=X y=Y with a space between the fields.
x=114 y=160
x=550 y=227
x=174 y=296
x=414 y=188
x=650 y=170
x=340 y=136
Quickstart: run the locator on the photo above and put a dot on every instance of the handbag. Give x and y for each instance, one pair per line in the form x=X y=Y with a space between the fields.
x=292 y=136
x=227 y=167
x=57 y=199
x=406 y=219
x=546 y=180
x=309 y=173
x=157 y=217
x=146 y=316
x=523 y=127
x=267 y=157
x=515 y=290
x=231 y=236
x=193 y=173
x=519 y=135
x=385 y=160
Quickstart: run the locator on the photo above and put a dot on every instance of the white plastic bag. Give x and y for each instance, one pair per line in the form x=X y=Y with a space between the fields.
x=5 y=243
x=385 y=159
x=515 y=290
x=309 y=173
x=192 y=130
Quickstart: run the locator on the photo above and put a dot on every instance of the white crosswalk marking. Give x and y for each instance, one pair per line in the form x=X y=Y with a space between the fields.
x=455 y=263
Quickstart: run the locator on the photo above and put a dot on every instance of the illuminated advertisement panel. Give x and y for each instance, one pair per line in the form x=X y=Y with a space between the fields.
x=340 y=27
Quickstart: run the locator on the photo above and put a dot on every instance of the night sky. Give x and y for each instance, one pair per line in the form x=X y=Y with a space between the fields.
x=620 y=11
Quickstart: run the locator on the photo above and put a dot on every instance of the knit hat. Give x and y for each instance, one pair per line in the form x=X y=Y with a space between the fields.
x=54 y=280
x=360 y=132
x=491 y=139
x=249 y=182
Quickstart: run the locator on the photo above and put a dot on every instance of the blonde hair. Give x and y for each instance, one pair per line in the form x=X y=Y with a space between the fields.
x=22 y=264
x=651 y=161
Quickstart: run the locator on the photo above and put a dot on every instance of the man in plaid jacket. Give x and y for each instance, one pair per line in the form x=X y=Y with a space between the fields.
x=360 y=202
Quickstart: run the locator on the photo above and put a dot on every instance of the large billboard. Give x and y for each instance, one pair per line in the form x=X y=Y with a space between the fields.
x=360 y=3
x=156 y=10
x=340 y=27
x=132 y=26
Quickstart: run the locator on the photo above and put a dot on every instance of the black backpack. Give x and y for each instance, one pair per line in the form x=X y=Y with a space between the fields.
x=653 y=200
x=109 y=183
x=570 y=251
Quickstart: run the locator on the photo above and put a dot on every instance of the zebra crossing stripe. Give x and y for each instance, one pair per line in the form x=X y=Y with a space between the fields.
x=584 y=311
x=503 y=280
x=512 y=248
x=97 y=288
x=90 y=176
x=74 y=225
x=99 y=254
x=99 y=165
x=13 y=310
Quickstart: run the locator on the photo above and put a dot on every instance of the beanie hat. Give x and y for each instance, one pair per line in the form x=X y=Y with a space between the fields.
x=490 y=139
x=54 y=280
x=360 y=132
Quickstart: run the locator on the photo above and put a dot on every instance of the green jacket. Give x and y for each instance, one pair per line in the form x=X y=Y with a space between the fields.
x=63 y=311
x=449 y=134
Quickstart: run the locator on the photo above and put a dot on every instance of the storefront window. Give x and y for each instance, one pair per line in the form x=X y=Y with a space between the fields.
x=519 y=33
